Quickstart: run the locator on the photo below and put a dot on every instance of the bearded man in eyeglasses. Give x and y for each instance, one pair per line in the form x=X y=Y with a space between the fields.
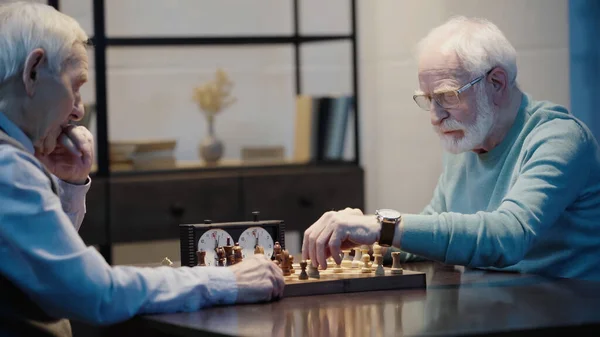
x=520 y=187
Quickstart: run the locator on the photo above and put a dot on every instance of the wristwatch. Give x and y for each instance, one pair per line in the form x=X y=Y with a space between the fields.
x=389 y=220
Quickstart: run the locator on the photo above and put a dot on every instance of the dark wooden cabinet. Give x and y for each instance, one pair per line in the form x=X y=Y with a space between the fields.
x=301 y=196
x=152 y=207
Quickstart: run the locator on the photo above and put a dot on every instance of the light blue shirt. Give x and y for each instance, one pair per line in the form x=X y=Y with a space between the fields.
x=42 y=253
x=530 y=205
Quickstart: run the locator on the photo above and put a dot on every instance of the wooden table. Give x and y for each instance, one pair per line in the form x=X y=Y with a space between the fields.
x=456 y=302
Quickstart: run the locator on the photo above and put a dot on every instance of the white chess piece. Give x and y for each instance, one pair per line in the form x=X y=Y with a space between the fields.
x=357 y=258
x=366 y=259
x=346 y=262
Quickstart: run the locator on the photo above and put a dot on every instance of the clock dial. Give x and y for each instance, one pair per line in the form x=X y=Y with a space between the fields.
x=254 y=236
x=210 y=240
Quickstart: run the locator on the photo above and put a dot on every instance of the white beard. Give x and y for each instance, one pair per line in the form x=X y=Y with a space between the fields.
x=473 y=135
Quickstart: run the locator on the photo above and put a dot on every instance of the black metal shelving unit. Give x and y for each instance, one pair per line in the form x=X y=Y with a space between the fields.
x=101 y=42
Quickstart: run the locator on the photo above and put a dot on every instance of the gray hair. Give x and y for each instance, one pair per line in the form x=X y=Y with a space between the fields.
x=478 y=43
x=25 y=26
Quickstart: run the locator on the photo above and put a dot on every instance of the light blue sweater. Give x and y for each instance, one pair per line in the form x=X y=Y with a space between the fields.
x=531 y=204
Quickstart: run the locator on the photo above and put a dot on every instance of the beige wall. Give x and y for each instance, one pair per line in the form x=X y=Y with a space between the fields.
x=150 y=88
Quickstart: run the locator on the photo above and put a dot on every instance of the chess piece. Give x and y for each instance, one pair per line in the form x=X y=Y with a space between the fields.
x=396 y=268
x=228 y=253
x=220 y=256
x=379 y=271
x=366 y=259
x=338 y=268
x=357 y=258
x=167 y=262
x=285 y=263
x=259 y=250
x=237 y=253
x=276 y=252
x=312 y=271
x=201 y=255
x=376 y=250
x=303 y=274
x=292 y=264
x=346 y=261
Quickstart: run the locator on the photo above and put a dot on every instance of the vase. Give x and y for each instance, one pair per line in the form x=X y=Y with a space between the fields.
x=211 y=148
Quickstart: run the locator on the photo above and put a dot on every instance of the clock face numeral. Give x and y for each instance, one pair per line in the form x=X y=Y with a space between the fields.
x=253 y=236
x=210 y=240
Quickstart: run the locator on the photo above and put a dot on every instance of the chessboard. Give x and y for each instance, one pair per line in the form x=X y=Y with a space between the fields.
x=350 y=280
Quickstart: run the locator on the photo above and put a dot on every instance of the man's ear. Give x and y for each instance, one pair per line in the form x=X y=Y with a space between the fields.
x=498 y=78
x=33 y=64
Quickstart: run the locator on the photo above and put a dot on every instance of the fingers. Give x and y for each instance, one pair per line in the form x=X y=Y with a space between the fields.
x=335 y=243
x=307 y=234
x=278 y=281
x=316 y=230
x=68 y=144
x=321 y=244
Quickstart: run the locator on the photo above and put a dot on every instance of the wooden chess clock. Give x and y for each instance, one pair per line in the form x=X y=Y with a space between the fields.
x=203 y=241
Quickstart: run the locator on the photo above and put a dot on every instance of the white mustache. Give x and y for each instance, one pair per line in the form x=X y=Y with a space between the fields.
x=449 y=125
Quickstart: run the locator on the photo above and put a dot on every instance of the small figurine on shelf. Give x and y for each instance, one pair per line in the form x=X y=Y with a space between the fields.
x=212 y=98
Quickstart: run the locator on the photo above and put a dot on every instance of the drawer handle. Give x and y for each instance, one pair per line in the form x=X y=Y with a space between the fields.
x=305 y=202
x=177 y=210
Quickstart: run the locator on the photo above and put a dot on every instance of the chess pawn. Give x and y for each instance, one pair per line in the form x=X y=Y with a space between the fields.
x=285 y=263
x=228 y=253
x=201 y=255
x=292 y=264
x=276 y=252
x=260 y=250
x=376 y=250
x=366 y=259
x=312 y=271
x=346 y=261
x=379 y=271
x=220 y=256
x=237 y=254
x=303 y=275
x=338 y=268
x=396 y=268
x=357 y=258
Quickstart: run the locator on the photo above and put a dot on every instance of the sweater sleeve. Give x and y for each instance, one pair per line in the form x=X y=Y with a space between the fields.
x=554 y=169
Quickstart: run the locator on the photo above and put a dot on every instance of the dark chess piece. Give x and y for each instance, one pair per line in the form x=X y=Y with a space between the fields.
x=303 y=274
x=285 y=263
x=276 y=252
x=237 y=253
x=229 y=252
x=220 y=256
x=201 y=255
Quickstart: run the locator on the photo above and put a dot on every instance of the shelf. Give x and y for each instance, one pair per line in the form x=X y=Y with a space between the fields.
x=218 y=40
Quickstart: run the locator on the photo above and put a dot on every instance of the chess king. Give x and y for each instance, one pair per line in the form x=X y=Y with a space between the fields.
x=47 y=273
x=520 y=185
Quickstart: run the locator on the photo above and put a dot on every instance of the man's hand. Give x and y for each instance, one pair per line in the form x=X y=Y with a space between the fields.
x=66 y=165
x=336 y=231
x=258 y=279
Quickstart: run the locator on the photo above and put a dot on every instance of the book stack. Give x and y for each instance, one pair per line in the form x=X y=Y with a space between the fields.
x=142 y=155
x=322 y=126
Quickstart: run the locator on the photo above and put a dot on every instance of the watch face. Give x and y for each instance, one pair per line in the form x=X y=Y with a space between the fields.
x=388 y=213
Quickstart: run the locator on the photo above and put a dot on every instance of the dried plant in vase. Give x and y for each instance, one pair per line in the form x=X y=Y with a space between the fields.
x=212 y=98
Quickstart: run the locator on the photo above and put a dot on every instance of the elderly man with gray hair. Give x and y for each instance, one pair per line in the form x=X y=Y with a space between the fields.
x=520 y=185
x=47 y=274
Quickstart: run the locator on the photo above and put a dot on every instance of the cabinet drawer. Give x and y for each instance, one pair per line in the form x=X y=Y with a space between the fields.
x=153 y=208
x=300 y=198
x=93 y=229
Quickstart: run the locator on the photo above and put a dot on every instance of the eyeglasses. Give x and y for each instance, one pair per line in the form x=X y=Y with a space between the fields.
x=446 y=99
